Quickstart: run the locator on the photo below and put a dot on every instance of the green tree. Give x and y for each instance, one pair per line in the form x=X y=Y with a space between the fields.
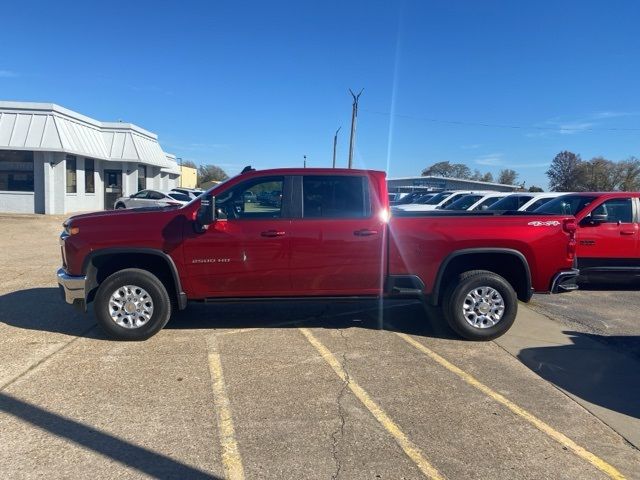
x=565 y=172
x=189 y=163
x=507 y=177
x=535 y=188
x=448 y=170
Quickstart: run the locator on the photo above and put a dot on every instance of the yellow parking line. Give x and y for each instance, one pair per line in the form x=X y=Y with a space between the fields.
x=230 y=454
x=412 y=451
x=536 y=422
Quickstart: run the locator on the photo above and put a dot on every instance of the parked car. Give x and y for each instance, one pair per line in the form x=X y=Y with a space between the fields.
x=439 y=200
x=406 y=198
x=524 y=201
x=331 y=237
x=539 y=199
x=190 y=192
x=607 y=234
x=152 y=198
x=476 y=201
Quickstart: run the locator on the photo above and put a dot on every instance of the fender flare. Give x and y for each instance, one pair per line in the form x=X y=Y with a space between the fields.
x=435 y=294
x=89 y=270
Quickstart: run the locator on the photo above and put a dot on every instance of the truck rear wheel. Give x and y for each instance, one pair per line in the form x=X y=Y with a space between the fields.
x=481 y=305
x=132 y=304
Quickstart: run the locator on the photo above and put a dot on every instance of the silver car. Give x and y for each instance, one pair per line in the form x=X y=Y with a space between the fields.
x=152 y=198
x=189 y=192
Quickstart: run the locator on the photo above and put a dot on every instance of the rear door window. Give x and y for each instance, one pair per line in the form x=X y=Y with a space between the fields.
x=335 y=196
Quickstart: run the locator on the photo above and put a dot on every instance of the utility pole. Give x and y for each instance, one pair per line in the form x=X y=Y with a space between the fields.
x=305 y=161
x=180 y=158
x=354 y=118
x=335 y=143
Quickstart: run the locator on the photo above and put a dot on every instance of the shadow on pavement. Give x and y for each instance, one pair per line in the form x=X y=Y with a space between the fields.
x=126 y=453
x=590 y=371
x=43 y=309
x=609 y=284
x=406 y=316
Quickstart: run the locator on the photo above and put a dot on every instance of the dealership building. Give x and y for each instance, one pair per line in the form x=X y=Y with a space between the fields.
x=437 y=184
x=56 y=161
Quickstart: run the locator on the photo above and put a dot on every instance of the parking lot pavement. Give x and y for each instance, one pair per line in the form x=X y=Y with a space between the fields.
x=607 y=309
x=276 y=390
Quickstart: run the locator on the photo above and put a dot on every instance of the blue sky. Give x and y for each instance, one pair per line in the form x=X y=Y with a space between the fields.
x=492 y=84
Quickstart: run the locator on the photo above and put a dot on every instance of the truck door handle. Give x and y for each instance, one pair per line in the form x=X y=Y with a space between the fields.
x=627 y=232
x=272 y=233
x=365 y=233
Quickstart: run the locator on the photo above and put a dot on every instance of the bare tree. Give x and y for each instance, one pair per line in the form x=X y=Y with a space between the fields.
x=507 y=177
x=629 y=175
x=208 y=173
x=487 y=177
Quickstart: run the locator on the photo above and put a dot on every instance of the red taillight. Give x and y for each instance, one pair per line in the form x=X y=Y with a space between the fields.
x=570 y=226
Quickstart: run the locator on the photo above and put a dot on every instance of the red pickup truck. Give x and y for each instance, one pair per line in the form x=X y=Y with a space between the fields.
x=323 y=233
x=607 y=235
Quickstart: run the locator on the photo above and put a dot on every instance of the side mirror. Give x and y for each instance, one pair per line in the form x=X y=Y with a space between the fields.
x=595 y=219
x=206 y=214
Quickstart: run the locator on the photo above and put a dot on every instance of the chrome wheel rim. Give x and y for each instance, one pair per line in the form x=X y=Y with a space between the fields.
x=483 y=307
x=130 y=306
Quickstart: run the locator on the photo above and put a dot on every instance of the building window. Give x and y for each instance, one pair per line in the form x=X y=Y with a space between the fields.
x=142 y=177
x=72 y=174
x=89 y=177
x=16 y=171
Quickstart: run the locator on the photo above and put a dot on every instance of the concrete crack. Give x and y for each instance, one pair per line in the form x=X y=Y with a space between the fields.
x=338 y=435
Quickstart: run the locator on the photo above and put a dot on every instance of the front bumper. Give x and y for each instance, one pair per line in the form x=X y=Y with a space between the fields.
x=72 y=287
x=565 y=281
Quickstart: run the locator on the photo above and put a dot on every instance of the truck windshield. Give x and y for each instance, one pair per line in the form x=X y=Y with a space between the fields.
x=566 y=205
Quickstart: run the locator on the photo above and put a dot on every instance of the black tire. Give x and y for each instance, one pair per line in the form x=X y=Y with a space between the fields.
x=120 y=206
x=155 y=289
x=454 y=299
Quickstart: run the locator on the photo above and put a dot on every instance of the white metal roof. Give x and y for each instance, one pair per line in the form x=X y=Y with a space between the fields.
x=174 y=170
x=52 y=128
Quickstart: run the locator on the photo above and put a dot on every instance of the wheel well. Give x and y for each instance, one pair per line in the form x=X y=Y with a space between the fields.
x=102 y=266
x=509 y=266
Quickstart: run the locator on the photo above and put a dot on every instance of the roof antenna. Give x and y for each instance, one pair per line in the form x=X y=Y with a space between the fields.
x=246 y=169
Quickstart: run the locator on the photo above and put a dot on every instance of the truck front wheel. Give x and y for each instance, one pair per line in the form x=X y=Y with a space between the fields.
x=481 y=305
x=132 y=304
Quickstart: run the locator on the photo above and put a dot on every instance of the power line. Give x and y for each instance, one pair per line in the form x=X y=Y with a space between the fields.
x=496 y=125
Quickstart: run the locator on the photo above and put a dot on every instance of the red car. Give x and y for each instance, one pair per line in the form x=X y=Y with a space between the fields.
x=607 y=234
x=330 y=235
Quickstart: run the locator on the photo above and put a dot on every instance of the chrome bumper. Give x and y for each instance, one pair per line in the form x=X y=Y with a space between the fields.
x=565 y=281
x=72 y=287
